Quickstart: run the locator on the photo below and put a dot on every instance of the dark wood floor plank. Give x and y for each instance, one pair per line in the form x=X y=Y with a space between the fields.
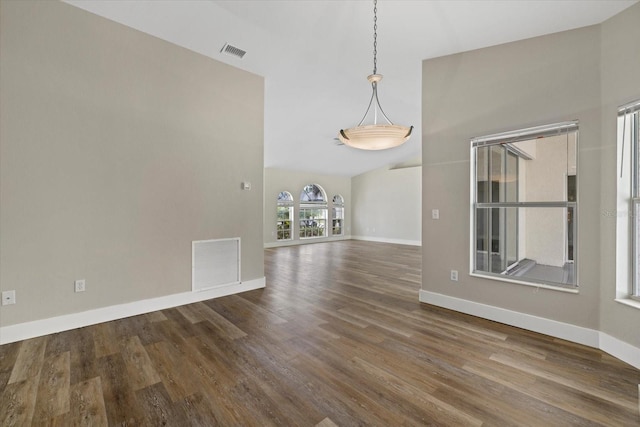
x=29 y=361
x=440 y=411
x=214 y=383
x=337 y=338
x=580 y=382
x=157 y=407
x=121 y=405
x=87 y=404
x=104 y=339
x=201 y=412
x=18 y=402
x=141 y=372
x=83 y=356
x=53 y=391
x=218 y=321
x=342 y=400
x=8 y=357
x=173 y=369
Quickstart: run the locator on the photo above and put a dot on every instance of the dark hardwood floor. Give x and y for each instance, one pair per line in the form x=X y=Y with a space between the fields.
x=338 y=337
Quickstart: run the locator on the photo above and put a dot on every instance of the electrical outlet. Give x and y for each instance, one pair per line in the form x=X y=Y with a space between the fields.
x=454 y=275
x=8 y=297
x=80 y=285
x=435 y=213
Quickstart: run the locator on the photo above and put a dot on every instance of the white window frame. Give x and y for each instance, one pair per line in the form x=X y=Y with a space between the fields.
x=321 y=220
x=285 y=204
x=338 y=206
x=628 y=205
x=511 y=137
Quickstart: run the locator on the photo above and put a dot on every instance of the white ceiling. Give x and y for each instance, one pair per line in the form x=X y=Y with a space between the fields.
x=315 y=56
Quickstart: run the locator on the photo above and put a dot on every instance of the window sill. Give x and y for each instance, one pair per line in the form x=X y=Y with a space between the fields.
x=532 y=284
x=630 y=302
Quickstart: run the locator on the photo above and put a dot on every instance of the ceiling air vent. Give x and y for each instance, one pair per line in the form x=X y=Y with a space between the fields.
x=232 y=50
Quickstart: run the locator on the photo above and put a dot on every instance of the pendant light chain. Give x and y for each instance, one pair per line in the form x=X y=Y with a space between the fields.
x=375 y=36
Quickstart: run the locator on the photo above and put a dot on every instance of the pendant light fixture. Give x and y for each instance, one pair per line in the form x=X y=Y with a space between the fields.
x=375 y=136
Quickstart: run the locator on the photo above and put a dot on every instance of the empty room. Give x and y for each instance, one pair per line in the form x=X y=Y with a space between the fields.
x=220 y=213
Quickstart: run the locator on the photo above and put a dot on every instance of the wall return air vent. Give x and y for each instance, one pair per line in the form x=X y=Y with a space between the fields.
x=215 y=263
x=233 y=51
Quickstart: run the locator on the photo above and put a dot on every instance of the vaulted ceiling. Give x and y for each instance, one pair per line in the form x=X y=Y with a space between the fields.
x=315 y=56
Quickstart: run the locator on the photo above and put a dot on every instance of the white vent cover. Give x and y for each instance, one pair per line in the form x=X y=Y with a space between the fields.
x=233 y=51
x=215 y=263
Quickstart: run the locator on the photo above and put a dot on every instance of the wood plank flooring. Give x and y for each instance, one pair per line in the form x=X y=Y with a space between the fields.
x=338 y=338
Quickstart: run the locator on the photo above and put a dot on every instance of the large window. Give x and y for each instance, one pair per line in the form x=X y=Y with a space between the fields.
x=313 y=212
x=629 y=198
x=284 y=216
x=337 y=216
x=524 y=205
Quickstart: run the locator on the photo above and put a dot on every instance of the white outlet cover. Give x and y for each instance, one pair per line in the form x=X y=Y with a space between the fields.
x=80 y=285
x=435 y=213
x=8 y=297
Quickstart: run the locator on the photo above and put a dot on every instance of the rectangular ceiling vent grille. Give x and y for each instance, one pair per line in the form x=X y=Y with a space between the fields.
x=233 y=51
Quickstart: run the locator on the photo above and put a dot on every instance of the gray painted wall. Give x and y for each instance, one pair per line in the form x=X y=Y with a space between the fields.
x=117 y=151
x=387 y=205
x=581 y=74
x=620 y=68
x=516 y=85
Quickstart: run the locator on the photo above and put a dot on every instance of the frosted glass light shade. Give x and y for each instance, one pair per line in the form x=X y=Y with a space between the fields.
x=375 y=137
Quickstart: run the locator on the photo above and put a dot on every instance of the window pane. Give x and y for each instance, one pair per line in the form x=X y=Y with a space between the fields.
x=496 y=168
x=529 y=244
x=285 y=196
x=503 y=243
x=338 y=216
x=636 y=253
x=533 y=241
x=635 y=137
x=312 y=193
x=511 y=178
x=545 y=164
x=283 y=223
x=482 y=175
x=313 y=222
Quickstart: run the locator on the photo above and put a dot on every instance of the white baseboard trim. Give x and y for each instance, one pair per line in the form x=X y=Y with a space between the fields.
x=620 y=350
x=385 y=240
x=553 y=328
x=36 y=328
x=590 y=337
x=298 y=242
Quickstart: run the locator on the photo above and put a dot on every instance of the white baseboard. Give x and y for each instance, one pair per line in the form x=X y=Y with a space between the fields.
x=590 y=337
x=297 y=242
x=386 y=240
x=332 y=239
x=620 y=350
x=22 y=331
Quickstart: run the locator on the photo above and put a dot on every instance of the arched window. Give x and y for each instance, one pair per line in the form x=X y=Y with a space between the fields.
x=285 y=216
x=337 y=217
x=313 y=212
